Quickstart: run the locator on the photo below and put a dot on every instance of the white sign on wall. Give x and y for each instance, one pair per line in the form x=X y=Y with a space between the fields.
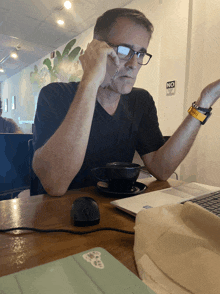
x=170 y=88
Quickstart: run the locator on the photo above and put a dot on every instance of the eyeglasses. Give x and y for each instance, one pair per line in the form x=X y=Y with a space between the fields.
x=126 y=53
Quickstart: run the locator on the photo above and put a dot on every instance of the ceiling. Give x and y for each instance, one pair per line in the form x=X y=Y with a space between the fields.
x=30 y=26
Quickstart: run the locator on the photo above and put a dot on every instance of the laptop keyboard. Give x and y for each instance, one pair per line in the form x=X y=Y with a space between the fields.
x=210 y=201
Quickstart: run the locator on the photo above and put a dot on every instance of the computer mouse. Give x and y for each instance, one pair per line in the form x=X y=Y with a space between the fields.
x=85 y=212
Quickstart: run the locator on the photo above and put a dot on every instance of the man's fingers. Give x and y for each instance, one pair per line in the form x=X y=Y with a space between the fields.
x=211 y=93
x=99 y=61
x=114 y=57
x=102 y=47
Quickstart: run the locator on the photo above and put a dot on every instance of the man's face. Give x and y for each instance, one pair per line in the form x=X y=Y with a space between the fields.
x=127 y=32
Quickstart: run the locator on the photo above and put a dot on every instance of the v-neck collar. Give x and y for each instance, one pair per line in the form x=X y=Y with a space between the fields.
x=105 y=114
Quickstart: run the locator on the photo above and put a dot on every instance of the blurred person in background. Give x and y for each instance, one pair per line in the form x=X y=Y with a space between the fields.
x=7 y=125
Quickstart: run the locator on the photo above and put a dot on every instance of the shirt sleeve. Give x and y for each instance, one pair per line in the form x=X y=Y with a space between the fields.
x=150 y=137
x=53 y=104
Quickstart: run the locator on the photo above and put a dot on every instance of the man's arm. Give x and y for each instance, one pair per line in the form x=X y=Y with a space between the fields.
x=59 y=160
x=163 y=162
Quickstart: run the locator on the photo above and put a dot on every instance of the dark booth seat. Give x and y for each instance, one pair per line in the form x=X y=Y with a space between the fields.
x=14 y=164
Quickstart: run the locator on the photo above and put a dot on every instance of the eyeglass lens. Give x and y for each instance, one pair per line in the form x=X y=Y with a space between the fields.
x=126 y=53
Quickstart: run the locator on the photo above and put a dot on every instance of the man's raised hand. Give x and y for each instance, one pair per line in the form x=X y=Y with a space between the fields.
x=210 y=94
x=94 y=61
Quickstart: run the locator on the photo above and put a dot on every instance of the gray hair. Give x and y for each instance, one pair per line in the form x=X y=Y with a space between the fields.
x=108 y=19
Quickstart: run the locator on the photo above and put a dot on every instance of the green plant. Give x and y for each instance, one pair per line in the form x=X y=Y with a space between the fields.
x=34 y=75
x=65 y=67
x=61 y=60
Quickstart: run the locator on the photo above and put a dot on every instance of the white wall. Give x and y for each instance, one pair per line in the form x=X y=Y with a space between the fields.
x=203 y=161
x=173 y=63
x=169 y=47
x=148 y=77
x=20 y=86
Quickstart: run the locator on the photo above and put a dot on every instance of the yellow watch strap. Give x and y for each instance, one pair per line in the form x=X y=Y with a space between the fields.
x=195 y=113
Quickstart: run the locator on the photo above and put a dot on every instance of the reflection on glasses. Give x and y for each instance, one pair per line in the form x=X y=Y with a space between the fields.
x=126 y=53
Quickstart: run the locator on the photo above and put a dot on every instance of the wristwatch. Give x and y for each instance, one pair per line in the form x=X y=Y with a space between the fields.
x=202 y=117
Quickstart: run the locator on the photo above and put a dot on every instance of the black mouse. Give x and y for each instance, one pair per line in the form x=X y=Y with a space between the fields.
x=85 y=212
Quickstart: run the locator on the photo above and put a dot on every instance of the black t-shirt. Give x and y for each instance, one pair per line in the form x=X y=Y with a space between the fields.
x=134 y=126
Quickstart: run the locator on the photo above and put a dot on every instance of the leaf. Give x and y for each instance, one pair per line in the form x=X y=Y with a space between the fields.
x=56 y=61
x=59 y=56
x=33 y=77
x=73 y=78
x=65 y=59
x=47 y=62
x=77 y=79
x=74 y=53
x=53 y=77
x=68 y=47
x=56 y=69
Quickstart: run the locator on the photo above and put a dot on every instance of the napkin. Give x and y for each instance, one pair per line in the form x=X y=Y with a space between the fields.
x=177 y=249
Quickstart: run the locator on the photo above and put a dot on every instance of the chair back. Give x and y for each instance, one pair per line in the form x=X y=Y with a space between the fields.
x=36 y=187
x=14 y=162
x=166 y=138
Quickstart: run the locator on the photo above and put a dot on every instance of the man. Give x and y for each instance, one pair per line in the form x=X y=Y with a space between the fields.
x=103 y=118
x=7 y=125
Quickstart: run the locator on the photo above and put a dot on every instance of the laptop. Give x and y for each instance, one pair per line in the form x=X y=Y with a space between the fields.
x=195 y=192
x=94 y=271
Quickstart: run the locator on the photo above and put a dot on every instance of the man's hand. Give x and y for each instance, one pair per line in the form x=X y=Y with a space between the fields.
x=94 y=61
x=209 y=95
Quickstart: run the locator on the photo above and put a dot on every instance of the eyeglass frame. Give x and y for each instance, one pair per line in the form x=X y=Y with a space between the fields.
x=133 y=52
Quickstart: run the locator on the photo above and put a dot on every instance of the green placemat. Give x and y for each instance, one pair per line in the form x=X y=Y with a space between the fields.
x=91 y=271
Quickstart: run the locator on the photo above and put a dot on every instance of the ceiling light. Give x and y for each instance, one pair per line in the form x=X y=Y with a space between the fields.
x=13 y=37
x=60 y=22
x=14 y=55
x=67 y=4
x=1 y=69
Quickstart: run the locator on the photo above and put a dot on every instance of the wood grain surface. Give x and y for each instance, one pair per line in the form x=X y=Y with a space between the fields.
x=21 y=250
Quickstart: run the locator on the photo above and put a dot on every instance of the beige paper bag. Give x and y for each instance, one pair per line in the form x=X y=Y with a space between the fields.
x=177 y=249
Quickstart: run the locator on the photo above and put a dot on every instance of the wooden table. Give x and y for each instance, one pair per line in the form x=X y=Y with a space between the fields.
x=23 y=250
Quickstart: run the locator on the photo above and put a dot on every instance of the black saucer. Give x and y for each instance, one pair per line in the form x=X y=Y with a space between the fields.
x=137 y=189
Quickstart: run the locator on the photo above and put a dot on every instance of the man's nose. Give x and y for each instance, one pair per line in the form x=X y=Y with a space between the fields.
x=132 y=63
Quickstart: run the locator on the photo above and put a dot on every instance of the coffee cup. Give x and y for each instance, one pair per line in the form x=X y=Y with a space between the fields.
x=120 y=176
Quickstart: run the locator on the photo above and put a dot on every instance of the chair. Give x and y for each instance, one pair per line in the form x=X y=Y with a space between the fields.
x=36 y=187
x=14 y=164
x=166 y=138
